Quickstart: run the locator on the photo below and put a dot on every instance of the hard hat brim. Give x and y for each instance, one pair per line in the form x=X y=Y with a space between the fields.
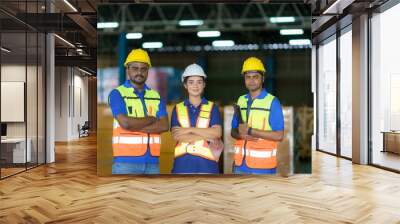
x=259 y=71
x=183 y=77
x=127 y=62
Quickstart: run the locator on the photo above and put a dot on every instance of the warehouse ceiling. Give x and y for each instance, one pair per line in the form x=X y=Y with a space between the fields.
x=246 y=24
x=249 y=25
x=75 y=22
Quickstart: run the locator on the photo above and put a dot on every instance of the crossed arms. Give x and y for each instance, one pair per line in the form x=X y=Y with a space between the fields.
x=193 y=134
x=242 y=133
x=145 y=124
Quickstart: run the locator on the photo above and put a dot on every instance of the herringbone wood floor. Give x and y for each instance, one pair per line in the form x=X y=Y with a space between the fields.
x=69 y=191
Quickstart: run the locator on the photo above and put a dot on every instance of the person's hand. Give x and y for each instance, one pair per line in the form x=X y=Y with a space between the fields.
x=176 y=132
x=180 y=131
x=216 y=143
x=243 y=132
x=186 y=131
x=250 y=138
x=243 y=129
x=216 y=146
x=153 y=119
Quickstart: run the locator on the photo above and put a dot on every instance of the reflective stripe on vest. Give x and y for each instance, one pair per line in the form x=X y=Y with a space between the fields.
x=260 y=153
x=198 y=148
x=135 y=140
x=256 y=153
x=130 y=143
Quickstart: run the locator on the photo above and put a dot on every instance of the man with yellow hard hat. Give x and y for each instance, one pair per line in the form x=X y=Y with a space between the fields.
x=257 y=124
x=139 y=117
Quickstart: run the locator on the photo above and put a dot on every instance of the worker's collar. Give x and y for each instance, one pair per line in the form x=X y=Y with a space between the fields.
x=187 y=102
x=262 y=94
x=128 y=84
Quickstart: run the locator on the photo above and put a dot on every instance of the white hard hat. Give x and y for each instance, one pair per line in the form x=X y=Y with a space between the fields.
x=193 y=70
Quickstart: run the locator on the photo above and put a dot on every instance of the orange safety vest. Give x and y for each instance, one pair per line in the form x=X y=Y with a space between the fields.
x=133 y=143
x=259 y=153
x=201 y=147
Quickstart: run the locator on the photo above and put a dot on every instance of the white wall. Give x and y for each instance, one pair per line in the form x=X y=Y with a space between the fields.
x=33 y=126
x=80 y=96
x=16 y=73
x=61 y=103
x=71 y=94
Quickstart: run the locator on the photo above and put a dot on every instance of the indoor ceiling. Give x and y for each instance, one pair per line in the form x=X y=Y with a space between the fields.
x=75 y=22
x=244 y=23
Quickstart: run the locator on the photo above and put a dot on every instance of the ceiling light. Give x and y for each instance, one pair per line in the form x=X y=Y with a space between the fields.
x=103 y=25
x=84 y=71
x=191 y=22
x=223 y=43
x=152 y=45
x=5 y=49
x=64 y=40
x=134 y=36
x=300 y=42
x=70 y=5
x=333 y=6
x=284 y=19
x=210 y=33
x=291 y=31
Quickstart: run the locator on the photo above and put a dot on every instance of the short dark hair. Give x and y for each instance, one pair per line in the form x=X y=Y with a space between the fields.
x=186 y=78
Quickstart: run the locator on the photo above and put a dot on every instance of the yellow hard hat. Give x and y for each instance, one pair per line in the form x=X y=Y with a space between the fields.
x=138 y=55
x=253 y=64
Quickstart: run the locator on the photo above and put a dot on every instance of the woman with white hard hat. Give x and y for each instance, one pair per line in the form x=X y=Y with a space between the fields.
x=197 y=127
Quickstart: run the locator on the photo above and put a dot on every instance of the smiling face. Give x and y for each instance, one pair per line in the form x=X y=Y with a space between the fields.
x=137 y=72
x=253 y=80
x=195 y=85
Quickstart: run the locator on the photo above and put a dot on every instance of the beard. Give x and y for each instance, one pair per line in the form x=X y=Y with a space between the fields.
x=138 y=79
x=254 y=87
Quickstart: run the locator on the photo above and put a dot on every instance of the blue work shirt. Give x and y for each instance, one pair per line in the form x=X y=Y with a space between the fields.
x=117 y=105
x=189 y=163
x=275 y=120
